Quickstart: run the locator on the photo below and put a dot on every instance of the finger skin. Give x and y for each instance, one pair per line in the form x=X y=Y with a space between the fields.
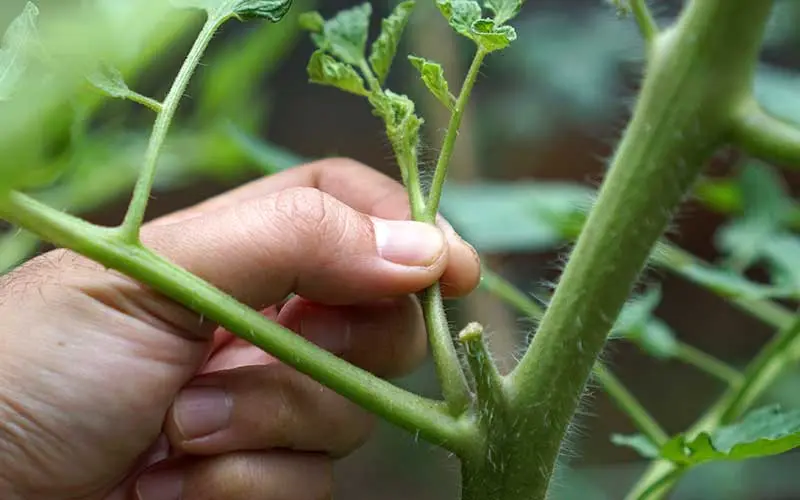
x=297 y=240
x=242 y=476
x=360 y=187
x=273 y=406
x=387 y=338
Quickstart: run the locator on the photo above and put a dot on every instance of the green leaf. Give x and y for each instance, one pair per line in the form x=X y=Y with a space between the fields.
x=465 y=17
x=515 y=217
x=110 y=80
x=638 y=442
x=637 y=324
x=492 y=37
x=15 y=51
x=765 y=204
x=782 y=253
x=272 y=10
x=433 y=76
x=325 y=70
x=461 y=14
x=269 y=158
x=343 y=36
x=764 y=432
x=402 y=123
x=503 y=10
x=385 y=47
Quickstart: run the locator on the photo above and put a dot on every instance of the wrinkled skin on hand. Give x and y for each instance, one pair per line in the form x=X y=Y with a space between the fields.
x=109 y=390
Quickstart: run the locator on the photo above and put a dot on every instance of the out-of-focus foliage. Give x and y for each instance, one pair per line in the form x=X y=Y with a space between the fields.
x=763 y=432
x=518 y=216
x=78 y=165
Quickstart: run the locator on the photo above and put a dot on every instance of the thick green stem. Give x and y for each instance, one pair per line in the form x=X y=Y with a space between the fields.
x=626 y=401
x=428 y=418
x=449 y=143
x=771 y=363
x=144 y=185
x=697 y=72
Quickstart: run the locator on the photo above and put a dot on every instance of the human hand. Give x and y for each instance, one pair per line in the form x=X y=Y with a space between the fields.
x=110 y=391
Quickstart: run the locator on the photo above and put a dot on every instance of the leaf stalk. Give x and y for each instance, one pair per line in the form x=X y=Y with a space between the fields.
x=134 y=217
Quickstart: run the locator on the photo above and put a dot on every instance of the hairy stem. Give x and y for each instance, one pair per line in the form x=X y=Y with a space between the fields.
x=145 y=101
x=626 y=401
x=107 y=246
x=696 y=72
x=144 y=185
x=489 y=387
x=455 y=388
x=448 y=145
x=771 y=363
x=646 y=424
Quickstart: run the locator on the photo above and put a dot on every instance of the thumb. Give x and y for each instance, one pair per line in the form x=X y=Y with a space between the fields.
x=305 y=241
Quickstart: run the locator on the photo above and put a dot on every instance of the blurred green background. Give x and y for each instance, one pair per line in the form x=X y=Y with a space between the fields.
x=544 y=119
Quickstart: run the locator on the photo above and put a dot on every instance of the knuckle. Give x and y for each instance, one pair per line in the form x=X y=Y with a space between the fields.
x=308 y=210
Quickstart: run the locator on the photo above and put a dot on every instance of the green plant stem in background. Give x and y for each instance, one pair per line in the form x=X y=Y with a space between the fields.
x=709 y=364
x=692 y=85
x=773 y=360
x=448 y=145
x=496 y=285
x=108 y=247
x=144 y=185
x=508 y=293
x=644 y=18
x=681 y=262
x=646 y=424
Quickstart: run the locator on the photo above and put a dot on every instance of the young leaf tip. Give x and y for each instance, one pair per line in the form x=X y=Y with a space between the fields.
x=243 y=10
x=325 y=70
x=385 y=46
x=490 y=34
x=433 y=77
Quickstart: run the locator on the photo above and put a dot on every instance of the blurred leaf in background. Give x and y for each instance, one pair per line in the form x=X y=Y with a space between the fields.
x=97 y=163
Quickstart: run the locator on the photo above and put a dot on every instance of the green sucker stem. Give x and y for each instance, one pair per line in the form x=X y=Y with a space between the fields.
x=449 y=142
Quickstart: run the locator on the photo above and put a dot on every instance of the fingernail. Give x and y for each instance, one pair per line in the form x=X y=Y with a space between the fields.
x=200 y=411
x=452 y=236
x=162 y=485
x=409 y=243
x=327 y=330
